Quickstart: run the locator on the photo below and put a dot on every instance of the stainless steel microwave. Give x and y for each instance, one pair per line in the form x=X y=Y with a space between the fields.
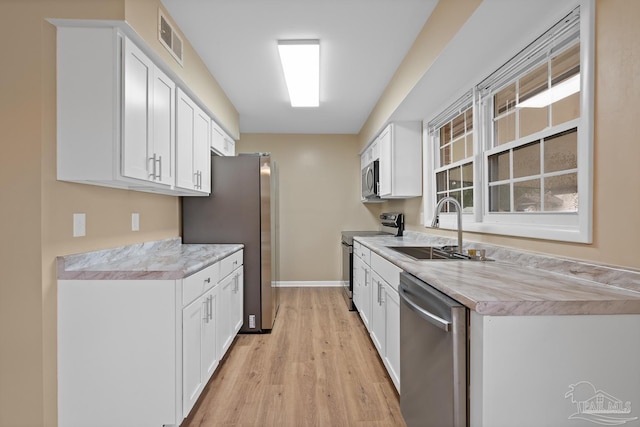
x=371 y=181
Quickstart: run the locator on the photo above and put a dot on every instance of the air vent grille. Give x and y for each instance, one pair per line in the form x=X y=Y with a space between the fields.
x=169 y=37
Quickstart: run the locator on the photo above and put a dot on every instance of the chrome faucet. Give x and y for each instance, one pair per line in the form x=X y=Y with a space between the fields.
x=436 y=217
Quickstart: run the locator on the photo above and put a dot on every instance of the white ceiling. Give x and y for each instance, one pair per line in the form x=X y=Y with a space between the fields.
x=362 y=43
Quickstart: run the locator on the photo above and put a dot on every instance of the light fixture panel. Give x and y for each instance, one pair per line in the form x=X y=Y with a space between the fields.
x=301 y=65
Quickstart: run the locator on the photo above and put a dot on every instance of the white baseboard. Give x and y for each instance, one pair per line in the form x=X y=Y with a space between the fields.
x=309 y=284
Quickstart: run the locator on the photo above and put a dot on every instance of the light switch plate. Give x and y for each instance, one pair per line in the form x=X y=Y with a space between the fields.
x=135 y=222
x=79 y=225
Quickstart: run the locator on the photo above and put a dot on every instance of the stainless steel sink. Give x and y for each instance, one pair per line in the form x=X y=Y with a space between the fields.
x=428 y=252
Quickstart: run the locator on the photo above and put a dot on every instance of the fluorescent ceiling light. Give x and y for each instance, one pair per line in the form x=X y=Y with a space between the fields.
x=301 y=65
x=556 y=93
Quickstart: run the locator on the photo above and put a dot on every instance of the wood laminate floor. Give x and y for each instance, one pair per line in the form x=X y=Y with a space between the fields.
x=317 y=367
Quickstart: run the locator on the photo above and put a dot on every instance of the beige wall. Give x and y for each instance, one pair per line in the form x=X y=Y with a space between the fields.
x=616 y=228
x=318 y=192
x=445 y=21
x=36 y=214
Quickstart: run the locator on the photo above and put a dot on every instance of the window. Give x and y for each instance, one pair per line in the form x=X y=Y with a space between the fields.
x=451 y=135
x=524 y=166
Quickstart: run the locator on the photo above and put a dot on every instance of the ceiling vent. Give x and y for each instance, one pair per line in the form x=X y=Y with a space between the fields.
x=169 y=37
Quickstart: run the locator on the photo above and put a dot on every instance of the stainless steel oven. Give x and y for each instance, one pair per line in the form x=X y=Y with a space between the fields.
x=392 y=224
x=433 y=356
x=347 y=263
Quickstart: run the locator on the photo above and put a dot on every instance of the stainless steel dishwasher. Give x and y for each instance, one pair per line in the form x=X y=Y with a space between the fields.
x=433 y=356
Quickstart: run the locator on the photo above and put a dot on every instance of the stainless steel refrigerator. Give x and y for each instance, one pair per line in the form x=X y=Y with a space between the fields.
x=242 y=208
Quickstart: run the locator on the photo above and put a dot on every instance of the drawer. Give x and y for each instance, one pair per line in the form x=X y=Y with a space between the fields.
x=386 y=269
x=356 y=249
x=198 y=283
x=230 y=263
x=365 y=254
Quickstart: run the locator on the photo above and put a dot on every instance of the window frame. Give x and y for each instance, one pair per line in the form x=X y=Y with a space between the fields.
x=559 y=226
x=432 y=153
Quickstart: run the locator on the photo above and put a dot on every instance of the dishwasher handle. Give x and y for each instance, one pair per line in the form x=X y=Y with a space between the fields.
x=405 y=295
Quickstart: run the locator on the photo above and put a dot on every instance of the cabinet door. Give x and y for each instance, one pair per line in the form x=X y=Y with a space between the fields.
x=217 y=138
x=193 y=318
x=229 y=146
x=378 y=313
x=163 y=145
x=193 y=143
x=209 y=329
x=386 y=161
x=137 y=102
x=202 y=151
x=185 y=120
x=392 y=334
x=238 y=301
x=356 y=282
x=226 y=287
x=365 y=297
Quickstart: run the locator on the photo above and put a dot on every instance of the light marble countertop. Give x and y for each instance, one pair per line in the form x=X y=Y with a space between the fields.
x=517 y=282
x=165 y=259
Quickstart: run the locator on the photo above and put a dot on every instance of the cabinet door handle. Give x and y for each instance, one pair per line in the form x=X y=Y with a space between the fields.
x=159 y=167
x=206 y=311
x=152 y=167
x=210 y=307
x=208 y=280
x=379 y=302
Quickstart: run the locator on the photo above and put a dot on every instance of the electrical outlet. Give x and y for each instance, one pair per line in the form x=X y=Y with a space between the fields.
x=79 y=224
x=135 y=222
x=252 y=321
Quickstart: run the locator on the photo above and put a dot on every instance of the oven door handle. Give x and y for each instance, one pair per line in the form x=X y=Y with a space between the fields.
x=426 y=315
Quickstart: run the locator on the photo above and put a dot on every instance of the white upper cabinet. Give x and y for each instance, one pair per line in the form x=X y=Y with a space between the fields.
x=399 y=146
x=123 y=122
x=115 y=112
x=371 y=153
x=193 y=158
x=148 y=119
x=221 y=143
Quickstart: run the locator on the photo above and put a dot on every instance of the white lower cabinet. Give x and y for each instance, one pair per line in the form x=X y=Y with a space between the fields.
x=119 y=352
x=140 y=352
x=385 y=314
x=378 y=313
x=392 y=334
x=554 y=370
x=362 y=275
x=238 y=302
x=231 y=305
x=199 y=353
